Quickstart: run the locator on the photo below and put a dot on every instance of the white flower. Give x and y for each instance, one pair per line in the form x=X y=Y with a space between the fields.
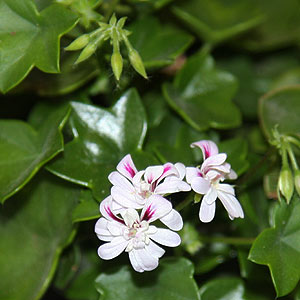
x=206 y=181
x=133 y=189
x=134 y=234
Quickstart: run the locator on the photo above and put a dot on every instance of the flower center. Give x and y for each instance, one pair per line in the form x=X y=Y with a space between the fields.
x=137 y=236
x=145 y=189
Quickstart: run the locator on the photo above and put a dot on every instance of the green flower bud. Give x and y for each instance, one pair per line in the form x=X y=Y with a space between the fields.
x=117 y=64
x=297 y=181
x=86 y=53
x=137 y=62
x=79 y=43
x=286 y=183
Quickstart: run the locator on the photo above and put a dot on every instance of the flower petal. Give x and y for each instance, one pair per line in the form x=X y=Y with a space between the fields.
x=210 y=196
x=231 y=204
x=200 y=185
x=208 y=148
x=173 y=220
x=169 y=170
x=134 y=262
x=112 y=249
x=153 y=173
x=106 y=210
x=191 y=173
x=172 y=185
x=166 y=237
x=156 y=207
x=102 y=231
x=212 y=161
x=126 y=199
x=119 y=180
x=145 y=260
x=226 y=188
x=130 y=216
x=232 y=175
x=181 y=169
x=126 y=167
x=155 y=250
x=207 y=211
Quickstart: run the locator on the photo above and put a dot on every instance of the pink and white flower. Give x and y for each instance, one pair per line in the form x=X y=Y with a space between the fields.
x=134 y=189
x=132 y=233
x=207 y=179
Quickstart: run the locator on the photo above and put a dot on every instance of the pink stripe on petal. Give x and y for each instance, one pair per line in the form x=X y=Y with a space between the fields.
x=114 y=217
x=126 y=167
x=148 y=213
x=208 y=148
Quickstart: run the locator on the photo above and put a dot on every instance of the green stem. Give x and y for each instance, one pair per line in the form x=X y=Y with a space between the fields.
x=292 y=157
x=184 y=203
x=238 y=241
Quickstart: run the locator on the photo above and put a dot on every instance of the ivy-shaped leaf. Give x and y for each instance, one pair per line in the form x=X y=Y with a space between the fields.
x=228 y=288
x=29 y=38
x=148 y=33
x=23 y=150
x=281 y=107
x=34 y=228
x=101 y=138
x=172 y=280
x=279 y=247
x=215 y=21
x=202 y=94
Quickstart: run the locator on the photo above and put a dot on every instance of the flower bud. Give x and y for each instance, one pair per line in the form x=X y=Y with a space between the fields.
x=137 y=62
x=117 y=64
x=286 y=183
x=86 y=53
x=297 y=181
x=79 y=43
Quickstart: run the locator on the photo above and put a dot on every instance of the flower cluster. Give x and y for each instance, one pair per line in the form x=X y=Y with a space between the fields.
x=138 y=199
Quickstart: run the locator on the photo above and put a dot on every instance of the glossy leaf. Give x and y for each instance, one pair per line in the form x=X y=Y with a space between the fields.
x=101 y=138
x=202 y=95
x=35 y=227
x=30 y=38
x=172 y=280
x=281 y=107
x=215 y=20
x=23 y=150
x=87 y=209
x=279 y=247
x=227 y=288
x=147 y=33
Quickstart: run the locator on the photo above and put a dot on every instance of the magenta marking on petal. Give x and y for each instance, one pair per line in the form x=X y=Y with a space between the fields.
x=129 y=169
x=148 y=213
x=114 y=217
x=166 y=169
x=206 y=151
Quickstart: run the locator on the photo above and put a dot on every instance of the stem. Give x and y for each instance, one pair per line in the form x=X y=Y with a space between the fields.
x=184 y=203
x=228 y=240
x=292 y=157
x=206 y=48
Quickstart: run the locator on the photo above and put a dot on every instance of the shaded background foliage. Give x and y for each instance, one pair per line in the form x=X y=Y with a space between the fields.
x=228 y=71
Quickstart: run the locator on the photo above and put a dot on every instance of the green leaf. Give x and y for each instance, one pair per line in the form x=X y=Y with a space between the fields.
x=227 y=288
x=23 y=151
x=279 y=247
x=216 y=21
x=271 y=34
x=87 y=209
x=172 y=280
x=202 y=95
x=29 y=38
x=78 y=268
x=281 y=107
x=236 y=150
x=35 y=227
x=101 y=138
x=158 y=44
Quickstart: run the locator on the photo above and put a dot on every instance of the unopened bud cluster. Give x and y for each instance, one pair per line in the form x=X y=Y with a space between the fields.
x=114 y=32
x=289 y=177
